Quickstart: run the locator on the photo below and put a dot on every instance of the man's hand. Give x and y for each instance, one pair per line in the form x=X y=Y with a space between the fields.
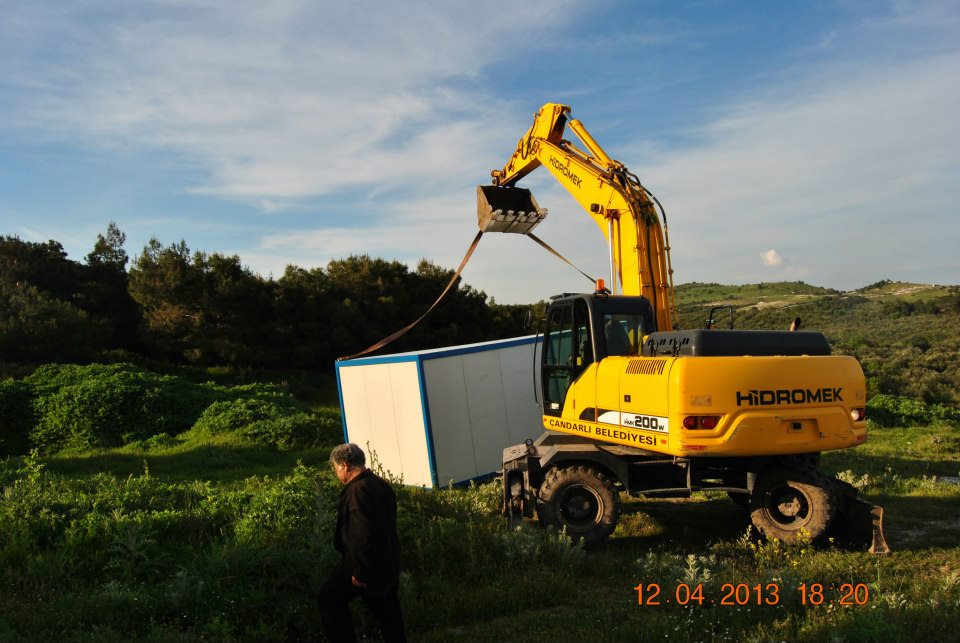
x=356 y=583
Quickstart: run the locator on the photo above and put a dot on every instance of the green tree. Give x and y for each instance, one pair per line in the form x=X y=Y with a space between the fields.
x=237 y=313
x=38 y=327
x=43 y=265
x=205 y=309
x=105 y=289
x=165 y=284
x=306 y=318
x=42 y=315
x=108 y=250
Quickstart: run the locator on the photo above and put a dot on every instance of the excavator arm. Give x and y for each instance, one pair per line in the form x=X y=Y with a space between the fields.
x=614 y=198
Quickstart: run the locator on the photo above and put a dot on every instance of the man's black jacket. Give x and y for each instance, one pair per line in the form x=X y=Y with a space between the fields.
x=366 y=532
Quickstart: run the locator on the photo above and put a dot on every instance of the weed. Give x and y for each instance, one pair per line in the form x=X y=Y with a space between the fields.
x=860 y=483
x=32 y=468
x=698 y=569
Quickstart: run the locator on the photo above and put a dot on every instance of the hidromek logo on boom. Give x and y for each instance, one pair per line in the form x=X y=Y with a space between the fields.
x=565 y=171
x=756 y=397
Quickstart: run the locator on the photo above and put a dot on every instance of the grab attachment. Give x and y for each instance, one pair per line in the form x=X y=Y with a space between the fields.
x=507 y=209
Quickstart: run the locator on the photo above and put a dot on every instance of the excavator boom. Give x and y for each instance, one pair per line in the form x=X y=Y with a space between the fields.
x=615 y=199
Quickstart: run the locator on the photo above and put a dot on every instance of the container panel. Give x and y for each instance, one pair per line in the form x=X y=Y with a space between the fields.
x=449 y=417
x=486 y=406
x=518 y=374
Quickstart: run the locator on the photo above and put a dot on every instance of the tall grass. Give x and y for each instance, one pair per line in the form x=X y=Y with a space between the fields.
x=137 y=556
x=223 y=531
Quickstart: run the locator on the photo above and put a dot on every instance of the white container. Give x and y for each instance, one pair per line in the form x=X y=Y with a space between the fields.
x=442 y=416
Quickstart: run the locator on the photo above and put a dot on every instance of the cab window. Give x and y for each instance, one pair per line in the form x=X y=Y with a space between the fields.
x=568 y=350
x=623 y=333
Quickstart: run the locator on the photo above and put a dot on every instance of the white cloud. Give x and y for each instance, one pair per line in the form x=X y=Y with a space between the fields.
x=383 y=111
x=854 y=178
x=277 y=102
x=854 y=181
x=771 y=258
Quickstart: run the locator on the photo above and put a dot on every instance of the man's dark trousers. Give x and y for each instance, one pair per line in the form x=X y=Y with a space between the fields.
x=366 y=535
x=335 y=596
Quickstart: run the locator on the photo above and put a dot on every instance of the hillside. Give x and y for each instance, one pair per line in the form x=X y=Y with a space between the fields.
x=784 y=295
x=709 y=294
x=174 y=307
x=907 y=336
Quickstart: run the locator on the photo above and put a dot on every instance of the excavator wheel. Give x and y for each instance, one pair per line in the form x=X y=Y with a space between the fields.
x=793 y=496
x=580 y=499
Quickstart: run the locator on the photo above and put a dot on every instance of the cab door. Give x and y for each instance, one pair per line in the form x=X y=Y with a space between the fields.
x=568 y=353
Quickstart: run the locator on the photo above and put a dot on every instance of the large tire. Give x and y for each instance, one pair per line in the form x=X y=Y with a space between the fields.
x=580 y=499
x=790 y=497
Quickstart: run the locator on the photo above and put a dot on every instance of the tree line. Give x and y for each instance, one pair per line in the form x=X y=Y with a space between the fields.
x=178 y=306
x=191 y=307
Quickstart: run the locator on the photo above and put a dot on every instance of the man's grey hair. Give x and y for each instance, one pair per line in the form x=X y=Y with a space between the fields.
x=349 y=454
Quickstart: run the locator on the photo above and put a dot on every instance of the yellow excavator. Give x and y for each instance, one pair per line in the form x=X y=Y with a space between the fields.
x=630 y=403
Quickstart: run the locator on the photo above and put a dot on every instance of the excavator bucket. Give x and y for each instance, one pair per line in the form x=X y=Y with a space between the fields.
x=859 y=523
x=503 y=209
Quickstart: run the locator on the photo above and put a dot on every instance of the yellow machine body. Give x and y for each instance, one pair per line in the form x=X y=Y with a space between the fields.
x=667 y=387
x=761 y=405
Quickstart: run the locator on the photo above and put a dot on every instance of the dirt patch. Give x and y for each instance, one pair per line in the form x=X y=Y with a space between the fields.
x=898 y=292
x=922 y=533
x=910 y=289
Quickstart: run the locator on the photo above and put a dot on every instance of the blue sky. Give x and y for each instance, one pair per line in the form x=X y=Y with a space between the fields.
x=816 y=141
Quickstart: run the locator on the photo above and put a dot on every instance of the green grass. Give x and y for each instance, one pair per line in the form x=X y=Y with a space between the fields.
x=213 y=538
x=778 y=294
x=217 y=459
x=214 y=518
x=893 y=290
x=222 y=530
x=789 y=293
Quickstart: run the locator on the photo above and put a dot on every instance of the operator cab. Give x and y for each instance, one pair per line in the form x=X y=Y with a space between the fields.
x=584 y=328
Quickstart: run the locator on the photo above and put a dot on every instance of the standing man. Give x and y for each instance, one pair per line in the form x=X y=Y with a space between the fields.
x=366 y=536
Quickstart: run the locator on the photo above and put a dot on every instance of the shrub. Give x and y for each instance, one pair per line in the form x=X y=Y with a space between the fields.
x=281 y=511
x=285 y=432
x=893 y=410
x=109 y=405
x=269 y=420
x=157 y=442
x=16 y=416
x=232 y=415
x=329 y=420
